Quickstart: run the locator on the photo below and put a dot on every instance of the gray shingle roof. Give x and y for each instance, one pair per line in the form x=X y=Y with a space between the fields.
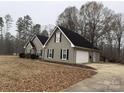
x=42 y=38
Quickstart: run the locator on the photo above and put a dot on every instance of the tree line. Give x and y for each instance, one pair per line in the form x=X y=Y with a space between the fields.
x=25 y=29
x=6 y=39
x=99 y=25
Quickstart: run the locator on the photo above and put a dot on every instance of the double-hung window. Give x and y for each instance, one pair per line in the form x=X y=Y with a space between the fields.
x=50 y=53
x=64 y=54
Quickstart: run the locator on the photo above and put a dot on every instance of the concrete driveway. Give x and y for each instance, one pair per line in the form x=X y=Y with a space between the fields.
x=110 y=78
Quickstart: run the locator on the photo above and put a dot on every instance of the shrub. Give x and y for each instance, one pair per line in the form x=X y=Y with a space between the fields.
x=22 y=55
x=33 y=56
x=28 y=55
x=37 y=56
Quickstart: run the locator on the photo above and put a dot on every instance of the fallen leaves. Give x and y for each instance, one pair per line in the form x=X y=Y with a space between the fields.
x=33 y=75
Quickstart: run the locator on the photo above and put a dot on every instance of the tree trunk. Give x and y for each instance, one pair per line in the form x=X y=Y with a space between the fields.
x=119 y=45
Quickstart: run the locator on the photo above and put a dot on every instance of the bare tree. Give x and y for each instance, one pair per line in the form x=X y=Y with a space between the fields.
x=93 y=21
x=1 y=35
x=9 y=44
x=119 y=29
x=44 y=33
x=19 y=36
x=24 y=27
x=1 y=27
x=8 y=22
x=27 y=29
x=36 y=29
x=69 y=18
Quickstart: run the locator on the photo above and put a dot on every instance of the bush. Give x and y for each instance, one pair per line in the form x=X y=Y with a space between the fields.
x=33 y=56
x=37 y=56
x=22 y=55
x=28 y=55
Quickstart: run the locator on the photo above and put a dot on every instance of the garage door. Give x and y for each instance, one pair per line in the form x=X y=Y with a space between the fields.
x=82 y=56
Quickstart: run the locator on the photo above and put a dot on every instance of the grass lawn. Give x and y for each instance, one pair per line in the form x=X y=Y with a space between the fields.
x=18 y=74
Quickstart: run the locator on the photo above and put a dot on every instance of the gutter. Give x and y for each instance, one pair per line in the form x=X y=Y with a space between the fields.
x=89 y=49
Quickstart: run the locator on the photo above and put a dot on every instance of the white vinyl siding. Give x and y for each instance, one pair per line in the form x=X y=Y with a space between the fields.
x=82 y=56
x=39 y=52
x=39 y=47
x=28 y=48
x=37 y=44
x=32 y=51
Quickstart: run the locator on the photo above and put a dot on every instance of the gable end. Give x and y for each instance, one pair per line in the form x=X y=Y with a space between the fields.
x=57 y=27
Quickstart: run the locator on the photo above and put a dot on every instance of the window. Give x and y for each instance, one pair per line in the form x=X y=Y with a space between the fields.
x=64 y=54
x=50 y=53
x=58 y=37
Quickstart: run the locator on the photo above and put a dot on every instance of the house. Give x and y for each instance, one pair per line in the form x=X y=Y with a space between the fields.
x=62 y=46
x=67 y=46
x=35 y=45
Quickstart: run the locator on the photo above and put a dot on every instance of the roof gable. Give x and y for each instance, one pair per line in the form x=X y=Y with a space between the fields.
x=55 y=29
x=41 y=38
x=76 y=39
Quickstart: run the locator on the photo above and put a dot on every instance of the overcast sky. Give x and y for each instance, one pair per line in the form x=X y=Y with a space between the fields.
x=46 y=12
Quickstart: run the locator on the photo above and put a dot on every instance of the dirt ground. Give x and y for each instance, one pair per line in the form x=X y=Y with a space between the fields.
x=18 y=75
x=109 y=78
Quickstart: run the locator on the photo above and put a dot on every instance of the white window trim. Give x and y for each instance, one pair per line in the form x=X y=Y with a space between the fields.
x=49 y=51
x=63 y=53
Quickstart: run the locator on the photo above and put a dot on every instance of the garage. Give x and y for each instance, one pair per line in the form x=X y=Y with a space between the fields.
x=82 y=57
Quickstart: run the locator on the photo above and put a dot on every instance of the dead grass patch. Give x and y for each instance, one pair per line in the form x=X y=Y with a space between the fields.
x=32 y=75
